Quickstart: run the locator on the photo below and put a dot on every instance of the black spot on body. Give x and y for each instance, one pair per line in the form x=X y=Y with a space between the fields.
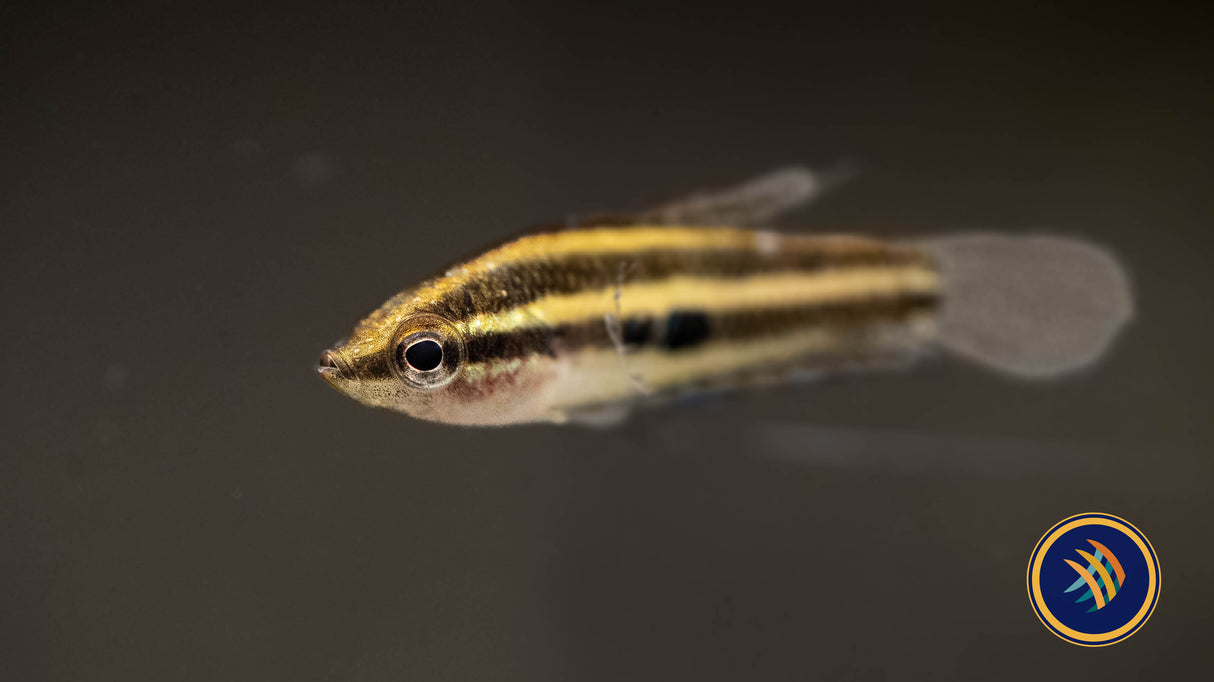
x=685 y=329
x=636 y=331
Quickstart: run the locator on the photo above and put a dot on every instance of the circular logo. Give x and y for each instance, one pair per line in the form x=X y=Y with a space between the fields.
x=1093 y=579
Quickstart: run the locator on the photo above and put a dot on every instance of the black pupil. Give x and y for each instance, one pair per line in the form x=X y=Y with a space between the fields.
x=424 y=355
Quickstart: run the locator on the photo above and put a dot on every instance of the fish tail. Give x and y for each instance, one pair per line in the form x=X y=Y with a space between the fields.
x=1030 y=306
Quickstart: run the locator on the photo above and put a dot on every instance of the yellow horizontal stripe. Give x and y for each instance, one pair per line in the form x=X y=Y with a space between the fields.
x=606 y=240
x=552 y=245
x=622 y=240
x=616 y=240
x=686 y=292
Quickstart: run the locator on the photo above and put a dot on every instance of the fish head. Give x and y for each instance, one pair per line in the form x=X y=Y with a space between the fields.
x=412 y=356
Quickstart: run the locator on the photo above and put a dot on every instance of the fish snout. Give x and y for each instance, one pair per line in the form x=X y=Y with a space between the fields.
x=331 y=365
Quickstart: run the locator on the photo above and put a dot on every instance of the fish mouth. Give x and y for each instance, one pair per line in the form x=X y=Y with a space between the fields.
x=331 y=366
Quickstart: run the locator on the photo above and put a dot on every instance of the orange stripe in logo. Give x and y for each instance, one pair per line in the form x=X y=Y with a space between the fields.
x=1112 y=560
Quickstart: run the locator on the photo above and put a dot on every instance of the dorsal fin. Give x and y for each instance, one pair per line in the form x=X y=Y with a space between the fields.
x=751 y=204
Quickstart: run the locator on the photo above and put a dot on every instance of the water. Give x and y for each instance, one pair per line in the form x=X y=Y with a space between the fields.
x=198 y=202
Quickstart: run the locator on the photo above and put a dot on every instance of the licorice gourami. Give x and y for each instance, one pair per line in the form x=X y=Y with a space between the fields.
x=582 y=323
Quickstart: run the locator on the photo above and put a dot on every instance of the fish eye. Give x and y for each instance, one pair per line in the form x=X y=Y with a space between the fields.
x=428 y=350
x=425 y=355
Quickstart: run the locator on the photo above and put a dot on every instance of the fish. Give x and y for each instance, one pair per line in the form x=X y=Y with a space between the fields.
x=587 y=321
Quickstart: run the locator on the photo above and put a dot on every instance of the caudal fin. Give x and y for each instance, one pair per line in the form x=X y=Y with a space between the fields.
x=1036 y=306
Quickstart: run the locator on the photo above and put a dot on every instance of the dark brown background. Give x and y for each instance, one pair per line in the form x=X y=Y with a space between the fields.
x=197 y=200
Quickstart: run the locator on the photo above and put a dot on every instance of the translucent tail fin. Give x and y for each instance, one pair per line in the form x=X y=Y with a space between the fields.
x=1034 y=306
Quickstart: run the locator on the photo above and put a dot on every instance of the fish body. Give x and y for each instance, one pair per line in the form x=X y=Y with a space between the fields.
x=583 y=323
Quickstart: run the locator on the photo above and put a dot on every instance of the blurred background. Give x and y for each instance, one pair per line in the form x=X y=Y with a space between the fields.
x=197 y=199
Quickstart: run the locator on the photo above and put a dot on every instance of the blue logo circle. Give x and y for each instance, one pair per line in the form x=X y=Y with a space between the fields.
x=1094 y=579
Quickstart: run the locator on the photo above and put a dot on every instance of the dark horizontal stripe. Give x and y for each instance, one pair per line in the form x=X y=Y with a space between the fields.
x=516 y=284
x=682 y=330
x=519 y=343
